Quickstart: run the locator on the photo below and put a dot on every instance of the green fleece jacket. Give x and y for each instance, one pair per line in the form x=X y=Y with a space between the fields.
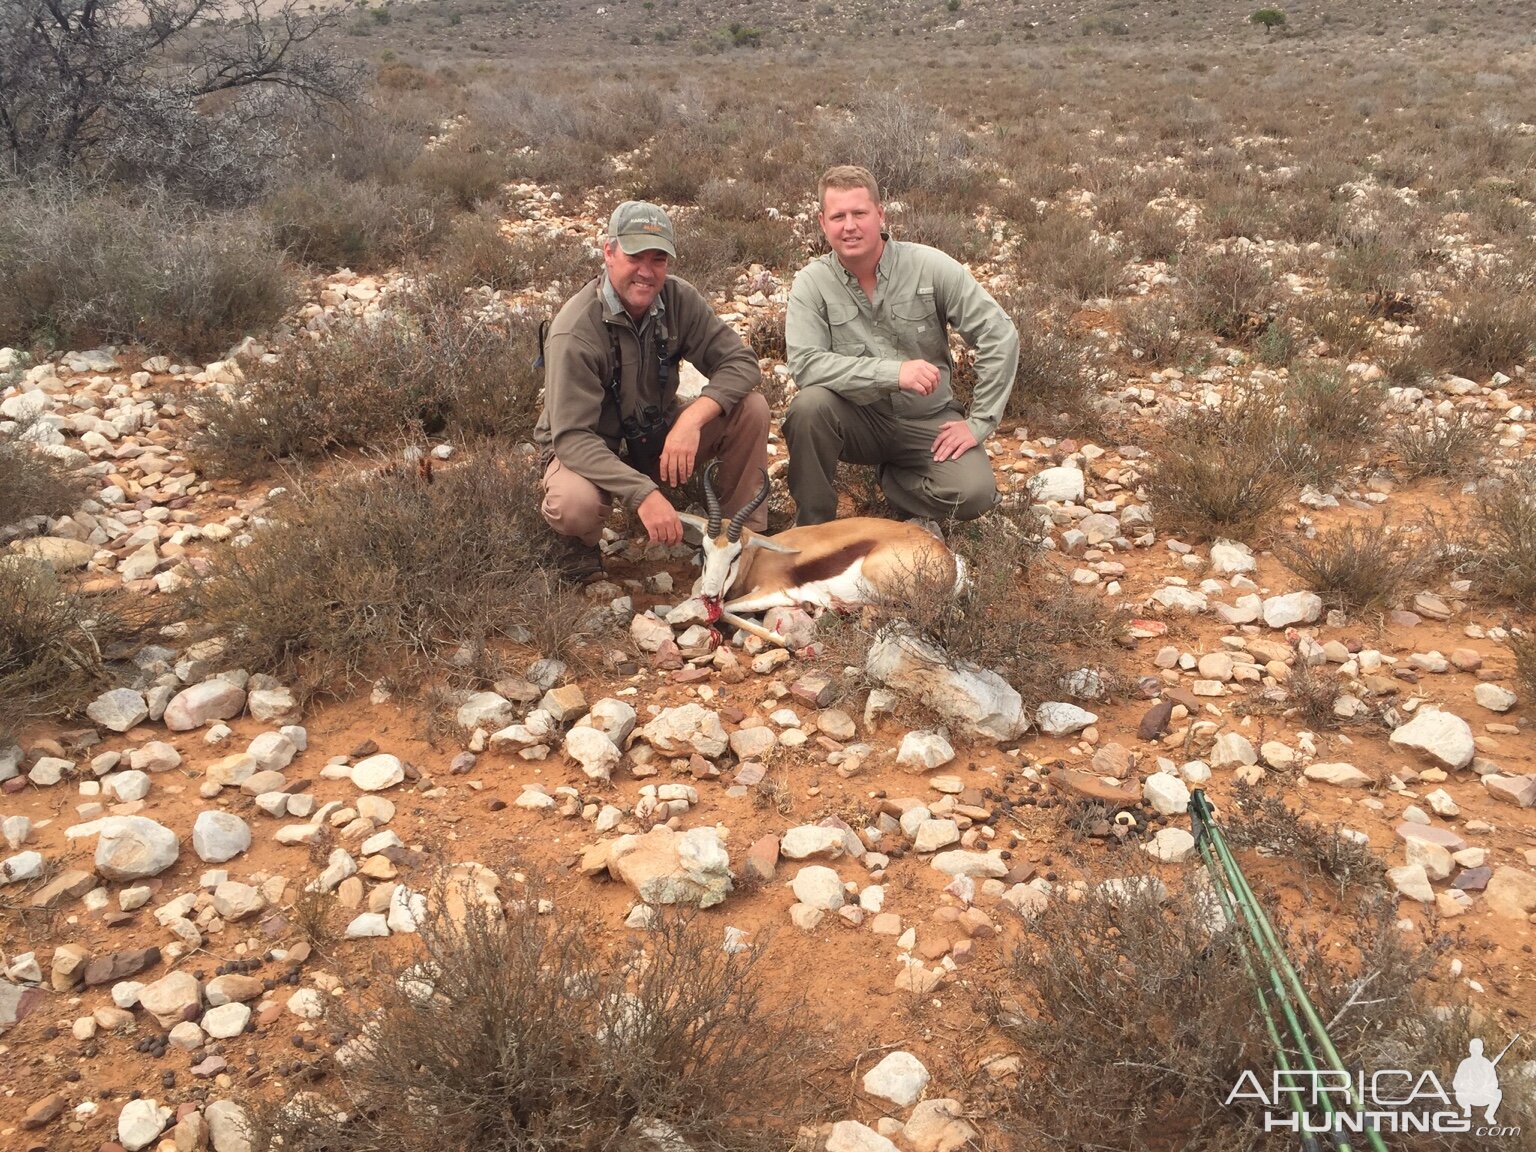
x=580 y=423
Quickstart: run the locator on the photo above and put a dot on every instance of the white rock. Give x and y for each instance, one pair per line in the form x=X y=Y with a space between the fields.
x=1167 y=793
x=1063 y=485
x=1232 y=750
x=1061 y=719
x=649 y=633
x=613 y=718
x=818 y=887
x=1277 y=755
x=900 y=1078
x=1494 y=697
x=935 y=834
x=982 y=702
x=229 y=1128
x=154 y=756
x=226 y=1021
x=1441 y=804
x=134 y=848
x=21 y=867
x=307 y=1004
x=1171 y=845
x=219 y=836
x=1517 y=790
x=807 y=840
x=851 y=1136
x=118 y=710
x=126 y=787
x=489 y=710
x=1230 y=558
x=1435 y=859
x=211 y=700
x=1441 y=736
x=168 y=998
x=1124 y=890
x=1178 y=599
x=273 y=705
x=140 y=1123
x=406 y=909
x=1292 y=608
x=961 y=862
x=15 y=830
x=378 y=772
x=921 y=751
x=1412 y=882
x=1340 y=775
x=49 y=770
x=272 y=751
x=684 y=729
x=367 y=924
x=594 y=751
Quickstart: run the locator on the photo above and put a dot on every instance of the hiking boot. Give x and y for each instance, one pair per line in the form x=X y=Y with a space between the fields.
x=575 y=562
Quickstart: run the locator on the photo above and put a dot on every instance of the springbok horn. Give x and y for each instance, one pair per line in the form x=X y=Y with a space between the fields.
x=739 y=521
x=711 y=501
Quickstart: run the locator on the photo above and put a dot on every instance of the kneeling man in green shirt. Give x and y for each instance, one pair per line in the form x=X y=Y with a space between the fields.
x=868 y=336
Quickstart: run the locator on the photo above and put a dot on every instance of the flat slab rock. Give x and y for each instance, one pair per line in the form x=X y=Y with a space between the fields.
x=1089 y=787
x=1431 y=834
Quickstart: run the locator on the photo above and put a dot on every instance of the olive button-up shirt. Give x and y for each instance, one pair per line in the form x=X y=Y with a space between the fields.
x=839 y=339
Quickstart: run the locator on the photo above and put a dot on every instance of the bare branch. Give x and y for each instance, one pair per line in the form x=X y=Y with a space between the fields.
x=79 y=79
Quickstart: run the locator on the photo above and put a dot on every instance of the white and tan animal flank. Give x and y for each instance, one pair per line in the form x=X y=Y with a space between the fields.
x=858 y=560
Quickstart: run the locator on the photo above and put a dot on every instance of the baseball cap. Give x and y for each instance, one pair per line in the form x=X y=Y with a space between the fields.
x=642 y=227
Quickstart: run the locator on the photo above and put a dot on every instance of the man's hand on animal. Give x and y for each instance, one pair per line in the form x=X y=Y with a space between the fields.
x=954 y=440
x=918 y=376
x=660 y=519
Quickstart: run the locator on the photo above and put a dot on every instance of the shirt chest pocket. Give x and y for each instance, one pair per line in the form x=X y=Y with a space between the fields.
x=918 y=319
x=847 y=331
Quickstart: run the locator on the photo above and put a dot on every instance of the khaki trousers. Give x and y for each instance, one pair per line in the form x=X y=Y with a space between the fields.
x=822 y=428
x=574 y=506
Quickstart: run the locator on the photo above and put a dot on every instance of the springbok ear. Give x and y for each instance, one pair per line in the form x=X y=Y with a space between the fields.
x=771 y=545
x=693 y=520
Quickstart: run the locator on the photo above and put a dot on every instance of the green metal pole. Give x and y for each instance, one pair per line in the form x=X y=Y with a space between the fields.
x=1279 y=968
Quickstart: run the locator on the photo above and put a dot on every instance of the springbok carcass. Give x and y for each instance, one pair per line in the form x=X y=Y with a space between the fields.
x=842 y=563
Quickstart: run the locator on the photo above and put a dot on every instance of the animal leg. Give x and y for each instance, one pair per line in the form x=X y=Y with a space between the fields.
x=754 y=629
x=761 y=602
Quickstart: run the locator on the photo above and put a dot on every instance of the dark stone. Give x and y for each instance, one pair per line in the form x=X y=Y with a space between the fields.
x=212 y=1066
x=44 y=1112
x=366 y=748
x=1473 y=879
x=117 y=966
x=1178 y=694
x=1154 y=722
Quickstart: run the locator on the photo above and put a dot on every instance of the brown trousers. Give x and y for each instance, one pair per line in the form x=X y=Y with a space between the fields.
x=574 y=506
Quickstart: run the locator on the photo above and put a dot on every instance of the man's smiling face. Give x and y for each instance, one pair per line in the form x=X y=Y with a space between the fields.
x=636 y=279
x=852 y=222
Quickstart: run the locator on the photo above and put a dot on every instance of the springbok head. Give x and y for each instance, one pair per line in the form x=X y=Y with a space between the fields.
x=723 y=550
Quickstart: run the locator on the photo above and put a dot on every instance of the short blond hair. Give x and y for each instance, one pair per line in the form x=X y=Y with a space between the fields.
x=846 y=176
